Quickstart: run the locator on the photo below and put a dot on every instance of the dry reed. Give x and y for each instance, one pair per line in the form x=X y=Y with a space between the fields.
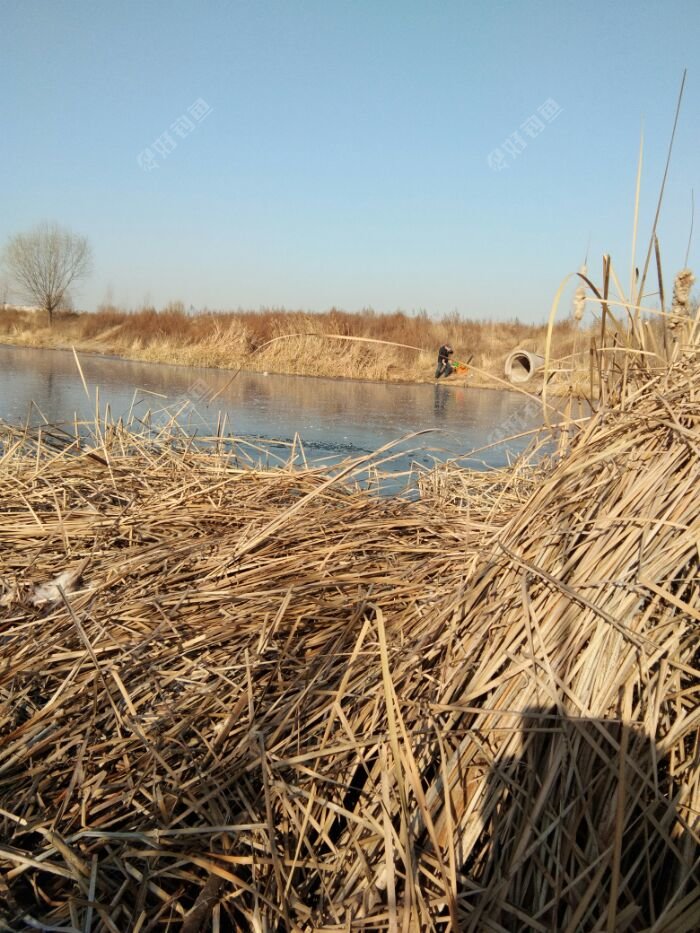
x=269 y=701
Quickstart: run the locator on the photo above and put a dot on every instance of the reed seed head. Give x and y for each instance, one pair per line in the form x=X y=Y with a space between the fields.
x=681 y=293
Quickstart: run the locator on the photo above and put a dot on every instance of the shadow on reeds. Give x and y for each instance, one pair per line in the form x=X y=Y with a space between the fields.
x=584 y=830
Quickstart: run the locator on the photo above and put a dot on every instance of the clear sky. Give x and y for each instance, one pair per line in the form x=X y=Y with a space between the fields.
x=310 y=153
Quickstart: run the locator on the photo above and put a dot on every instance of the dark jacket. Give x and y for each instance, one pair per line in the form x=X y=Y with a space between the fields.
x=444 y=354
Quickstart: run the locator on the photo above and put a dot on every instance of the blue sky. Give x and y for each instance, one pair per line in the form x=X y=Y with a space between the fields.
x=344 y=159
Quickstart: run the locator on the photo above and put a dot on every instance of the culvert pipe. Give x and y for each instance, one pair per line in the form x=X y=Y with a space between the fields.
x=521 y=365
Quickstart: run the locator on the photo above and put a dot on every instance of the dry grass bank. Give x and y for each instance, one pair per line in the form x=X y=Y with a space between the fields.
x=269 y=701
x=238 y=339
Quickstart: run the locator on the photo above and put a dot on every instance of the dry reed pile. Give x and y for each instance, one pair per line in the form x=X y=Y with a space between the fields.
x=266 y=701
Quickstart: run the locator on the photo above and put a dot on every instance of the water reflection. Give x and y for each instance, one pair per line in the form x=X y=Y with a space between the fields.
x=440 y=401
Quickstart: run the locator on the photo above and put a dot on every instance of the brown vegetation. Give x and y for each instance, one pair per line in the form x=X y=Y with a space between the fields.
x=238 y=339
x=269 y=701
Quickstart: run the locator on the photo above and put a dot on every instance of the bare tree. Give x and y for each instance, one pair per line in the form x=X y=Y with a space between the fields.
x=45 y=262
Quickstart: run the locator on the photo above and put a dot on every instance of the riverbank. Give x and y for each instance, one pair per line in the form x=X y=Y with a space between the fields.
x=388 y=348
x=265 y=699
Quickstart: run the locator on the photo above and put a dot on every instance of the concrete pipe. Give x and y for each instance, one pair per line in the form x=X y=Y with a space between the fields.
x=521 y=365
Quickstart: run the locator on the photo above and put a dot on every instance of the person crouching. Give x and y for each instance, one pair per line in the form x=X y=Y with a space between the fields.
x=444 y=367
